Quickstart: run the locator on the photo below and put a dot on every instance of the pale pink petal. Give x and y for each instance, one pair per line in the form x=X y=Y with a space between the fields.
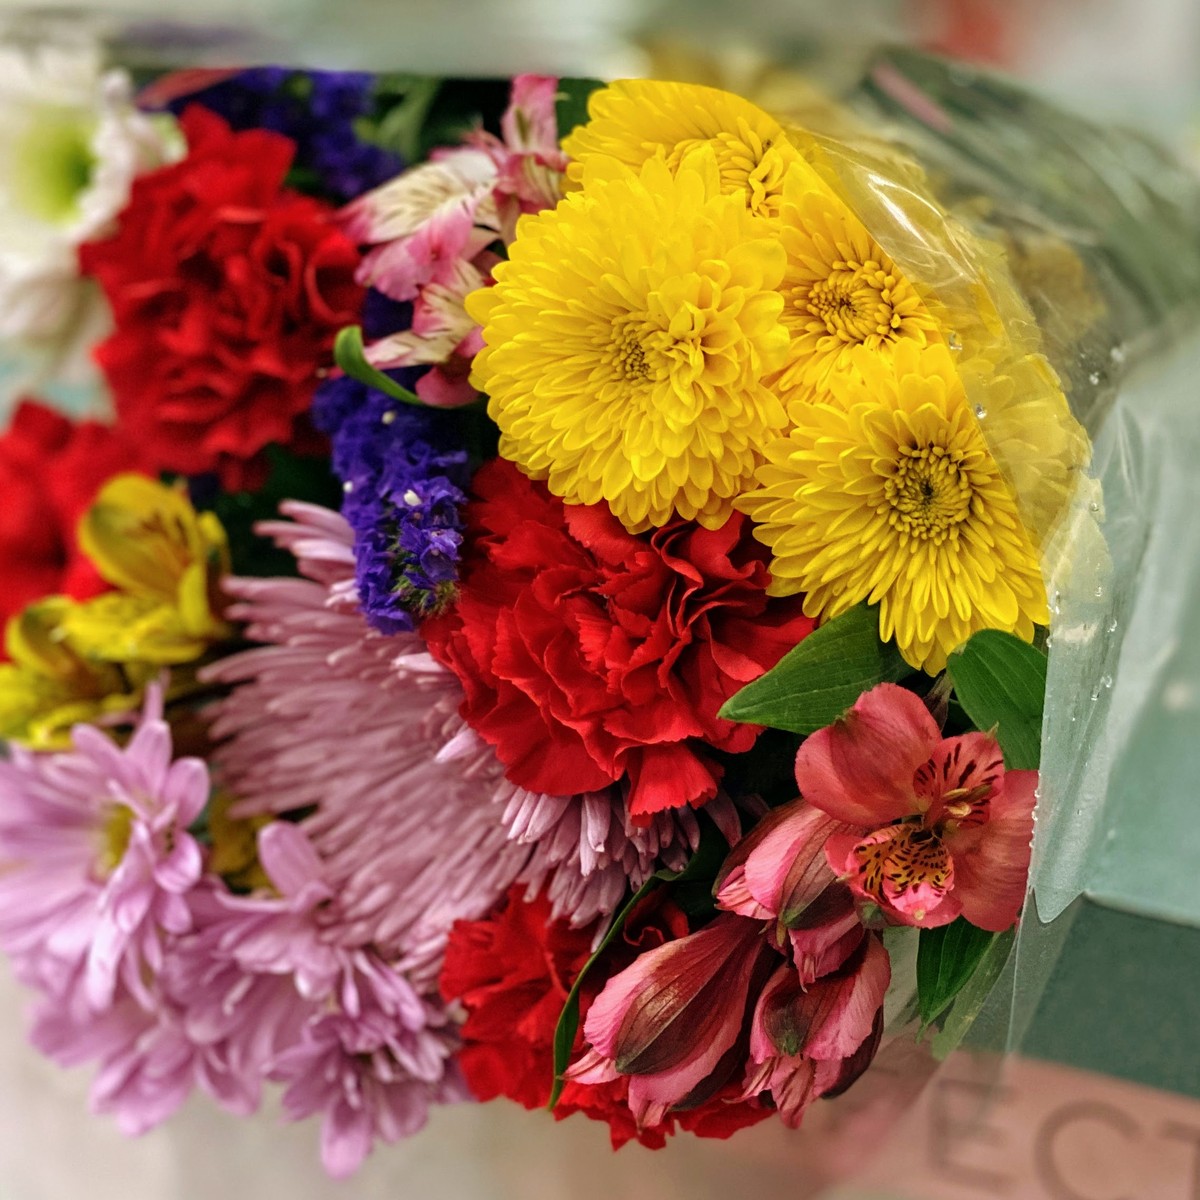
x=860 y=769
x=826 y=934
x=401 y=206
x=788 y=871
x=346 y=1137
x=845 y=1004
x=991 y=862
x=530 y=125
x=181 y=869
x=289 y=859
x=442 y=388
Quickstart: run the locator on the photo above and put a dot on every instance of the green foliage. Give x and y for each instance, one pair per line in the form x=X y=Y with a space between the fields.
x=946 y=959
x=814 y=683
x=289 y=477
x=1000 y=681
x=350 y=355
x=571 y=106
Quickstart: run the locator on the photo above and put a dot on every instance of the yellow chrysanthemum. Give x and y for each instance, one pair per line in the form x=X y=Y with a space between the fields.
x=48 y=685
x=888 y=494
x=165 y=559
x=842 y=291
x=636 y=119
x=626 y=340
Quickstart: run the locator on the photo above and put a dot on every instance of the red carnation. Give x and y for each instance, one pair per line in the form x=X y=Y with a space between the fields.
x=588 y=654
x=227 y=290
x=50 y=472
x=512 y=971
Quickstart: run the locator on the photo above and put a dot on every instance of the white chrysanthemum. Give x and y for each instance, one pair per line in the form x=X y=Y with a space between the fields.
x=71 y=144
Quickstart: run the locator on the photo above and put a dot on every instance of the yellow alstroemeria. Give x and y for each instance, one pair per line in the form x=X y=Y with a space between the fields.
x=166 y=561
x=234 y=854
x=49 y=685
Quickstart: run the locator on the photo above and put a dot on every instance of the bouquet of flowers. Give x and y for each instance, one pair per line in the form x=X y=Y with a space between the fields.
x=553 y=603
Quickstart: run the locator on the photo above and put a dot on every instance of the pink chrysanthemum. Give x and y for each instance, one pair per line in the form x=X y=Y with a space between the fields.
x=101 y=858
x=271 y=981
x=411 y=815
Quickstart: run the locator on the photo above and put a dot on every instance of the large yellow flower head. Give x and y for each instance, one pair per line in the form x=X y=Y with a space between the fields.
x=626 y=340
x=636 y=119
x=842 y=291
x=887 y=493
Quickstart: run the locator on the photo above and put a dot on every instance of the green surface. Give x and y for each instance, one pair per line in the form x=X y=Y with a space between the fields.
x=1124 y=1000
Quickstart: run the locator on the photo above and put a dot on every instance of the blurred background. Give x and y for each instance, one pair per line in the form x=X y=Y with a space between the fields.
x=1044 y=1131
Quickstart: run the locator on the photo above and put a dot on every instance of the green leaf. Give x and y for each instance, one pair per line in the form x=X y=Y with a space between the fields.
x=568 y=1019
x=399 y=129
x=349 y=354
x=946 y=960
x=814 y=683
x=1001 y=683
x=699 y=874
x=970 y=1002
x=289 y=477
x=570 y=108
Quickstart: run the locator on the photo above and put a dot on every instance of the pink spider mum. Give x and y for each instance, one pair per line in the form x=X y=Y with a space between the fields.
x=411 y=816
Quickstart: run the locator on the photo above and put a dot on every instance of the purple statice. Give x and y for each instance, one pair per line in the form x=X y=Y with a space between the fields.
x=321 y=111
x=404 y=470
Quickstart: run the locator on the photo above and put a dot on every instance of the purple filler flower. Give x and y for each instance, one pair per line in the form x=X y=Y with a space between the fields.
x=404 y=470
x=320 y=111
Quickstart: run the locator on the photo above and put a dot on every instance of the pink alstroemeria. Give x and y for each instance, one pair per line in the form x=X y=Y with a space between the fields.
x=779 y=873
x=816 y=1039
x=673 y=1021
x=934 y=827
x=429 y=231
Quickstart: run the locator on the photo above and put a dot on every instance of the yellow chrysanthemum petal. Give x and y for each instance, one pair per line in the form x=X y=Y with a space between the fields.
x=627 y=338
x=633 y=120
x=845 y=297
x=887 y=493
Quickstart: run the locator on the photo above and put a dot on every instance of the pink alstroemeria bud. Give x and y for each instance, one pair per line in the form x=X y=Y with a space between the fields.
x=672 y=1020
x=810 y=1040
x=779 y=868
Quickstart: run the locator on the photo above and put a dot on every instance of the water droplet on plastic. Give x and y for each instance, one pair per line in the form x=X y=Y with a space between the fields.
x=1117 y=354
x=348 y=486
x=1049 y=641
x=389 y=416
x=1095 y=693
x=1112 y=625
x=1056 y=603
x=1106 y=681
x=953 y=340
x=1094 y=378
x=1099 y=590
x=980 y=412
